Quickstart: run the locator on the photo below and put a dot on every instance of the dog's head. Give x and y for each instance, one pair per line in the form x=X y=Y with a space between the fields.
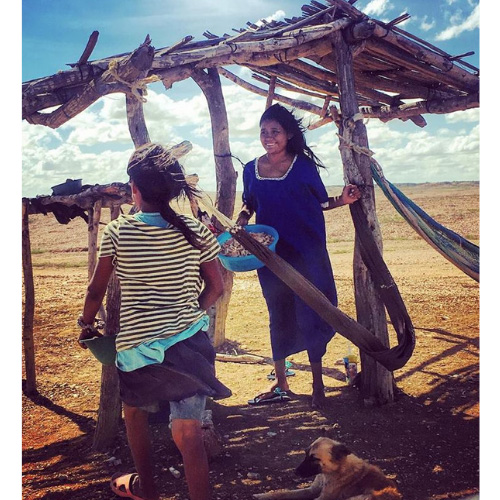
x=323 y=456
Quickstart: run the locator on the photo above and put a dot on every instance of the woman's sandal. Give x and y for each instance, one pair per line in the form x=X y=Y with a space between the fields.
x=264 y=398
x=121 y=484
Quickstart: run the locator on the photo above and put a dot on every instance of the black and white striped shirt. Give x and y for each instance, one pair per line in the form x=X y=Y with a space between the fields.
x=159 y=273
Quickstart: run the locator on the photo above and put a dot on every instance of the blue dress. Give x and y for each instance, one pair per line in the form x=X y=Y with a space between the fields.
x=292 y=204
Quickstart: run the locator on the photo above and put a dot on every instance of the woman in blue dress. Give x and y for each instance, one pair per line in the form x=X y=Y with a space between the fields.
x=284 y=190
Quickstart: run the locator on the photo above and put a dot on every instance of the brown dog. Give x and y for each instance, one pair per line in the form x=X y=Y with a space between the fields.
x=340 y=475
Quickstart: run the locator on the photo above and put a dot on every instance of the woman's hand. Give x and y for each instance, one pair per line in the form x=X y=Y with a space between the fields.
x=243 y=218
x=350 y=194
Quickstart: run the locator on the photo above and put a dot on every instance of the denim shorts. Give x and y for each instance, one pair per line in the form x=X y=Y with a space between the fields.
x=188 y=409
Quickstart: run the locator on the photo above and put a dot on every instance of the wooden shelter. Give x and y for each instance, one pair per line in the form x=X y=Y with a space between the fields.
x=357 y=66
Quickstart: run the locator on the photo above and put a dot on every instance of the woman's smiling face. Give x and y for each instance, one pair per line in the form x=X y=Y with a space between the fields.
x=273 y=136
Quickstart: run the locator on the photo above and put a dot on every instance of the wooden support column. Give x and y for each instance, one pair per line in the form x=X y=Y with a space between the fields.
x=270 y=95
x=29 y=305
x=209 y=82
x=377 y=383
x=109 y=403
x=136 y=121
x=93 y=232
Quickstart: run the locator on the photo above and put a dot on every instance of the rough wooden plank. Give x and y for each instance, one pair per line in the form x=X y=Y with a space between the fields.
x=29 y=305
x=377 y=383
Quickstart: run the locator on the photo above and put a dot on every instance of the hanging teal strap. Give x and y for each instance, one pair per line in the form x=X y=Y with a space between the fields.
x=458 y=250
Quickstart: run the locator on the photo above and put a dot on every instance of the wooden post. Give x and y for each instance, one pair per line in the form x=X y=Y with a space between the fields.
x=209 y=82
x=377 y=383
x=93 y=234
x=109 y=403
x=136 y=122
x=93 y=231
x=29 y=305
x=270 y=95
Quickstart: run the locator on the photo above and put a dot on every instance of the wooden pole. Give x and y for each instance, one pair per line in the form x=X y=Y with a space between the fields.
x=209 y=82
x=29 y=305
x=93 y=231
x=377 y=382
x=136 y=121
x=109 y=403
x=270 y=94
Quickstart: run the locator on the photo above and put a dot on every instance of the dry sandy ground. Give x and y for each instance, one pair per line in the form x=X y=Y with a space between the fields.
x=428 y=439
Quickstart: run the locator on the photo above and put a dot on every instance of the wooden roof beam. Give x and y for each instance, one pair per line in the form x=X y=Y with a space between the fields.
x=427 y=56
x=304 y=106
x=126 y=70
x=265 y=47
x=287 y=86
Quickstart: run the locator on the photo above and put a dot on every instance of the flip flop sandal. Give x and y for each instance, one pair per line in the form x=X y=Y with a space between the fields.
x=276 y=396
x=288 y=373
x=120 y=485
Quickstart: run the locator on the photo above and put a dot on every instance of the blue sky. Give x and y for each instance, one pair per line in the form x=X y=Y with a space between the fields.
x=96 y=144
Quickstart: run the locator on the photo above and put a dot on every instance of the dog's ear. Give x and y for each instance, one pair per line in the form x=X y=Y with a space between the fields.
x=339 y=451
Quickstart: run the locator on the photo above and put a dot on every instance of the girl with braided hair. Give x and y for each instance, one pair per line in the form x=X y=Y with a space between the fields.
x=169 y=275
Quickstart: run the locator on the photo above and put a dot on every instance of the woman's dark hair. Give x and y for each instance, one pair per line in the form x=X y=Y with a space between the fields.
x=160 y=178
x=293 y=126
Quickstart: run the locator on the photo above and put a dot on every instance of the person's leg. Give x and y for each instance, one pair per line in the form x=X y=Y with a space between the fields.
x=187 y=435
x=136 y=422
x=280 y=373
x=318 y=388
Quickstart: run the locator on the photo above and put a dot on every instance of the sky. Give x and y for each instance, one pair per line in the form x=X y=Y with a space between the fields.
x=96 y=144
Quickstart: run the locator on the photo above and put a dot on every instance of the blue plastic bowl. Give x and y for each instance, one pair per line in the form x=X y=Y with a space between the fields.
x=246 y=262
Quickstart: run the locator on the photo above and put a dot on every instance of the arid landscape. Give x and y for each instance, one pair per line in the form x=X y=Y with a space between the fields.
x=427 y=440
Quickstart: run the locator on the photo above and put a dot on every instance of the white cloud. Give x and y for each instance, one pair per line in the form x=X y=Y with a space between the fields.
x=427 y=25
x=377 y=7
x=467 y=116
x=471 y=23
x=277 y=16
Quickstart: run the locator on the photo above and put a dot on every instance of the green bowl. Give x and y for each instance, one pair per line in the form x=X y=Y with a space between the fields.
x=103 y=348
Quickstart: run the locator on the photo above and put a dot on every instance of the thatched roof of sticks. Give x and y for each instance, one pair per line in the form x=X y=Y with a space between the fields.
x=397 y=75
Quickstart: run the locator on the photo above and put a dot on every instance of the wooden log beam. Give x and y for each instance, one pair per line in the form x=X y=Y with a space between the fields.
x=400 y=57
x=92 y=235
x=377 y=381
x=294 y=103
x=125 y=72
x=89 y=48
x=225 y=175
x=29 y=305
x=330 y=63
x=170 y=76
x=136 y=122
x=270 y=92
x=290 y=87
x=110 y=194
x=409 y=110
x=31 y=104
x=108 y=416
x=245 y=49
x=421 y=53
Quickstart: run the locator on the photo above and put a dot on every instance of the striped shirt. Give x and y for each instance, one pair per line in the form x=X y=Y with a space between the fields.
x=159 y=273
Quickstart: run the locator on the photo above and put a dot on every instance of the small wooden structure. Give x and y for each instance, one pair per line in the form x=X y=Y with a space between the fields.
x=358 y=66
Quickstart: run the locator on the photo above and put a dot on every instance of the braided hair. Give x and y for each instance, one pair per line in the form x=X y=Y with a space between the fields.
x=293 y=126
x=160 y=179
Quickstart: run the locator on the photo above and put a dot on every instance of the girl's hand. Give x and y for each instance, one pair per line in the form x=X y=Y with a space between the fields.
x=350 y=194
x=86 y=335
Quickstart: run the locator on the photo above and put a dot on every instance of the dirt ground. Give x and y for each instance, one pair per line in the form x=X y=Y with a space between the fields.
x=427 y=440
